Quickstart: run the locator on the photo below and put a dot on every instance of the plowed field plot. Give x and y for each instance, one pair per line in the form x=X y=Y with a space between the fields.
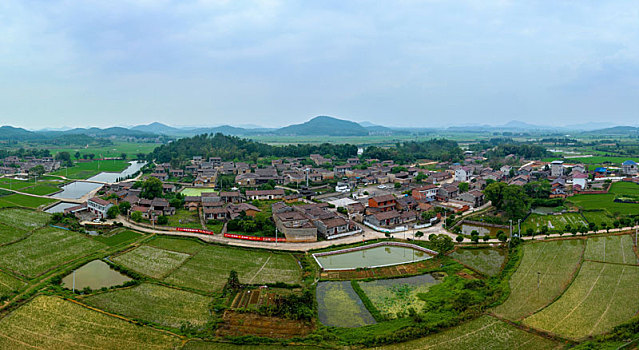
x=51 y=323
x=45 y=249
x=339 y=306
x=394 y=296
x=151 y=302
x=484 y=333
x=487 y=260
x=9 y=284
x=189 y=246
x=153 y=262
x=209 y=269
x=23 y=218
x=601 y=297
x=238 y=324
x=551 y=264
x=254 y=298
x=554 y=222
x=614 y=249
x=10 y=234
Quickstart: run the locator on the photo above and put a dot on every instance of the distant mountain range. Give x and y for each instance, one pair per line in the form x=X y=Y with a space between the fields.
x=318 y=126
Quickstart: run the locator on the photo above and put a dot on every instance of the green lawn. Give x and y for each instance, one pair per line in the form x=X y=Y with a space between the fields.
x=48 y=322
x=118 y=237
x=483 y=333
x=553 y=222
x=41 y=189
x=552 y=264
x=185 y=218
x=624 y=188
x=614 y=249
x=598 y=217
x=14 y=184
x=606 y=201
x=197 y=191
x=45 y=249
x=151 y=261
x=154 y=303
x=485 y=260
x=85 y=170
x=209 y=268
x=601 y=297
x=21 y=200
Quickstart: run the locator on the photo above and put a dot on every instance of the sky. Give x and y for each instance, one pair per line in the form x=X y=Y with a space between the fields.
x=273 y=63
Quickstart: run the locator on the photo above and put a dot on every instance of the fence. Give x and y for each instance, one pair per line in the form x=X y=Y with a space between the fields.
x=194 y=230
x=386 y=230
x=254 y=238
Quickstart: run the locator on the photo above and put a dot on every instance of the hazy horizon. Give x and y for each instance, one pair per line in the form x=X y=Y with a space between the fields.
x=275 y=63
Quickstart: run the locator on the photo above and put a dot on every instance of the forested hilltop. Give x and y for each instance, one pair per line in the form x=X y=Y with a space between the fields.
x=236 y=148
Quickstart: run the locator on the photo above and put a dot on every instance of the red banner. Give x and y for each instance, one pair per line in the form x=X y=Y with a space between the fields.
x=194 y=230
x=254 y=238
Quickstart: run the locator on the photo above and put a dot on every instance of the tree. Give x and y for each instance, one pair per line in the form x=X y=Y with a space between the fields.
x=419 y=234
x=616 y=223
x=530 y=232
x=442 y=243
x=463 y=187
x=604 y=225
x=136 y=216
x=486 y=238
x=493 y=193
x=592 y=226
x=475 y=239
x=113 y=212
x=233 y=282
x=421 y=177
x=77 y=155
x=501 y=236
x=543 y=230
x=162 y=220
x=151 y=188
x=515 y=202
x=37 y=170
x=64 y=158
x=398 y=185
x=459 y=238
x=91 y=156
x=123 y=156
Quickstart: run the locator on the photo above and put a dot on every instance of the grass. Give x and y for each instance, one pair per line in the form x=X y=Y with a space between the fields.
x=613 y=249
x=24 y=218
x=21 y=200
x=115 y=150
x=41 y=189
x=209 y=269
x=9 y=284
x=597 y=160
x=552 y=263
x=554 y=222
x=48 y=322
x=197 y=191
x=184 y=245
x=624 y=188
x=185 y=218
x=118 y=237
x=154 y=303
x=485 y=332
x=485 y=260
x=601 y=297
x=606 y=201
x=10 y=234
x=45 y=249
x=598 y=217
x=339 y=306
x=151 y=261
x=14 y=184
x=85 y=170
x=393 y=297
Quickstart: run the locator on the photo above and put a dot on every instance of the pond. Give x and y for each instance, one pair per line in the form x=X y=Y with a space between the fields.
x=377 y=256
x=95 y=275
x=113 y=177
x=59 y=208
x=467 y=229
x=339 y=306
x=76 y=190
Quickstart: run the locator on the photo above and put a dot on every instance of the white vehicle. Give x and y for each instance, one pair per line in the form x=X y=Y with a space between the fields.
x=381 y=187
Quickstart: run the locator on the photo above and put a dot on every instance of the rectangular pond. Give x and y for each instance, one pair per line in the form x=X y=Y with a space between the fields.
x=371 y=256
x=60 y=207
x=113 y=177
x=339 y=306
x=95 y=275
x=76 y=190
x=393 y=297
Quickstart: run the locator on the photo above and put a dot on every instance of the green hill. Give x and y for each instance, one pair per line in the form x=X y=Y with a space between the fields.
x=324 y=125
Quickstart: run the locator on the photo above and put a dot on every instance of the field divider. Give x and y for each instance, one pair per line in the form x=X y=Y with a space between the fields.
x=528 y=329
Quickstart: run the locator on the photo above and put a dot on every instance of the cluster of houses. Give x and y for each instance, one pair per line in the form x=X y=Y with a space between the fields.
x=14 y=164
x=303 y=223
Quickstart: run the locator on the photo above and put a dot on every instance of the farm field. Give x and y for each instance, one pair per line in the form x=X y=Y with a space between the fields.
x=41 y=189
x=393 y=297
x=554 y=263
x=485 y=332
x=14 y=184
x=339 y=306
x=23 y=218
x=624 y=188
x=46 y=248
x=598 y=217
x=210 y=267
x=85 y=170
x=22 y=200
x=605 y=202
x=185 y=218
x=554 y=222
x=197 y=191
x=184 y=245
x=115 y=150
x=8 y=284
x=10 y=234
x=49 y=322
x=593 y=160
x=612 y=249
x=485 y=260
x=202 y=345
x=117 y=238
x=151 y=302
x=602 y=296
x=151 y=261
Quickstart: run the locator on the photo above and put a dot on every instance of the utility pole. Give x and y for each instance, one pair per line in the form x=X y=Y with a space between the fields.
x=276 y=236
x=511 y=233
x=538 y=279
x=519 y=227
x=73 y=281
